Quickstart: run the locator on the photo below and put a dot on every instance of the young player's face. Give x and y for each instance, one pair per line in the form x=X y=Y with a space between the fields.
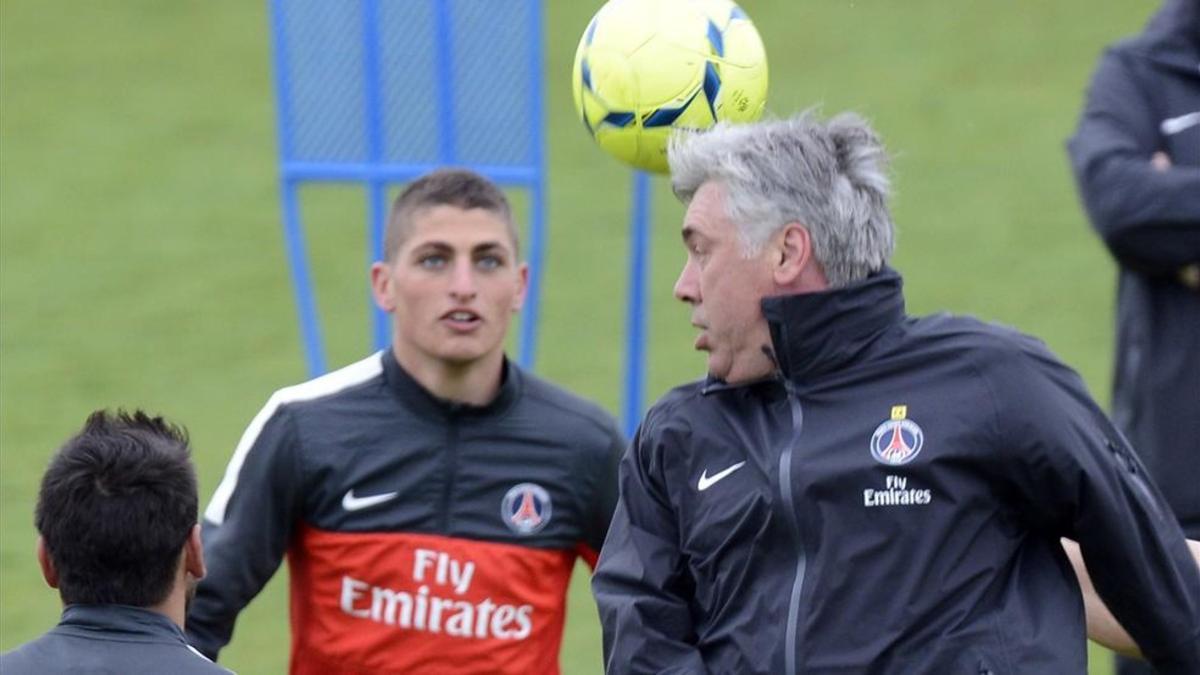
x=724 y=288
x=452 y=287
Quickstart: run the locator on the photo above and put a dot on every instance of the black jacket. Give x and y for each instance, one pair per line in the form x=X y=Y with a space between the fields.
x=1145 y=98
x=420 y=534
x=894 y=505
x=109 y=639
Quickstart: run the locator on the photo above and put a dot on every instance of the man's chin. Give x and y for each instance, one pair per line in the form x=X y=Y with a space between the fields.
x=718 y=368
x=739 y=372
x=463 y=350
x=465 y=355
x=460 y=359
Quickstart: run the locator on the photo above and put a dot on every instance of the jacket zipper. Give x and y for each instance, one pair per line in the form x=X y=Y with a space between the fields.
x=451 y=467
x=792 y=640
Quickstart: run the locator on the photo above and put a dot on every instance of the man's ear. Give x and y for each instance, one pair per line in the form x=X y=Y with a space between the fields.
x=523 y=287
x=794 y=254
x=48 y=572
x=193 y=554
x=381 y=285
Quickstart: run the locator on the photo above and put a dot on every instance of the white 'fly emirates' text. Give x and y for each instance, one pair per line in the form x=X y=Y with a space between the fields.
x=419 y=610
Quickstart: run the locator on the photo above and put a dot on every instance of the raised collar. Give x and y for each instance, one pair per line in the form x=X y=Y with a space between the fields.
x=131 y=623
x=422 y=400
x=817 y=333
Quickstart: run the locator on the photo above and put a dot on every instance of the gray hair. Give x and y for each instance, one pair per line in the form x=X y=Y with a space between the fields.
x=829 y=176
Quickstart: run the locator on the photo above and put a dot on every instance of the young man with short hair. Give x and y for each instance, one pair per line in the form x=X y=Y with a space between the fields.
x=118 y=537
x=431 y=499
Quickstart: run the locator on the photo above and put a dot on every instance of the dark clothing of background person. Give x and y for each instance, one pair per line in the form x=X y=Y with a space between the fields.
x=1145 y=99
x=765 y=528
x=104 y=639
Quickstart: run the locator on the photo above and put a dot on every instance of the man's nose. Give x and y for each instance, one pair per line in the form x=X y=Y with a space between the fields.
x=462 y=281
x=687 y=286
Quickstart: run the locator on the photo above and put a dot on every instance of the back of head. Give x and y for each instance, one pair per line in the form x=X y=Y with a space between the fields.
x=830 y=176
x=115 y=509
x=460 y=188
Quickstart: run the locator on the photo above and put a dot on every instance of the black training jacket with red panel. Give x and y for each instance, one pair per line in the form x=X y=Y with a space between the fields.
x=892 y=504
x=422 y=536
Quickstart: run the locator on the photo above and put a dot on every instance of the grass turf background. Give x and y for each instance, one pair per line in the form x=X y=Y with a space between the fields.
x=141 y=261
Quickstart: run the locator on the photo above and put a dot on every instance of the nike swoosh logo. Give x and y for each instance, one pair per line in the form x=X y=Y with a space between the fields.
x=1174 y=125
x=707 y=481
x=352 y=503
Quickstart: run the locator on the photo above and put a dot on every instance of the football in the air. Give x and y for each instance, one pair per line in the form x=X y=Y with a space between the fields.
x=647 y=67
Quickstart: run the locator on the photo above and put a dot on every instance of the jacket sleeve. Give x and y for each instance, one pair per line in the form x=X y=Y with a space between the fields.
x=1076 y=476
x=642 y=585
x=247 y=526
x=1149 y=219
x=604 y=499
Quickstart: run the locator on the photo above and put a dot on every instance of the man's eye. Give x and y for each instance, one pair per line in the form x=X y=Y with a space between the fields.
x=489 y=262
x=432 y=261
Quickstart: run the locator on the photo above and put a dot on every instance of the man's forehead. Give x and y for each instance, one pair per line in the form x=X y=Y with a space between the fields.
x=454 y=227
x=706 y=214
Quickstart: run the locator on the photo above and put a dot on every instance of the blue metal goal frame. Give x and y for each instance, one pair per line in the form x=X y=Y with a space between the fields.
x=376 y=174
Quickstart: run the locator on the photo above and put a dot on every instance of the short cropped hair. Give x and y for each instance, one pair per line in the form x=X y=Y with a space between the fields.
x=116 y=507
x=829 y=176
x=460 y=188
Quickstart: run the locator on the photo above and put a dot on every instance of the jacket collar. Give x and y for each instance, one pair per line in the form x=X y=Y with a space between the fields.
x=421 y=400
x=126 y=621
x=817 y=333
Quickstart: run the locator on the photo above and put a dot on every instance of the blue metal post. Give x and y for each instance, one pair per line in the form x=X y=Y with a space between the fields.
x=376 y=187
x=445 y=73
x=377 y=213
x=527 y=351
x=324 y=163
x=298 y=257
x=310 y=330
x=537 y=209
x=635 y=321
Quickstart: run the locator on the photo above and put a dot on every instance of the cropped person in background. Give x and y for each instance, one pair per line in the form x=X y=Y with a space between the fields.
x=431 y=499
x=1136 y=157
x=118 y=537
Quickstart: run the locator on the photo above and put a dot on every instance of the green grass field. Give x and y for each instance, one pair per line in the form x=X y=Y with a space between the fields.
x=141 y=260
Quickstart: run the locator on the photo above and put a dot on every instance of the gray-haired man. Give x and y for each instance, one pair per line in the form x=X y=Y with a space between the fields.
x=853 y=489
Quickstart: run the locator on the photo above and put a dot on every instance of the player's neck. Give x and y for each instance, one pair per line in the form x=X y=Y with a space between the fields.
x=475 y=383
x=174 y=607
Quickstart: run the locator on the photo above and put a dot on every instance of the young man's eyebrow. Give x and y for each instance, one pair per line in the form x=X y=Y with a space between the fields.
x=490 y=246
x=439 y=246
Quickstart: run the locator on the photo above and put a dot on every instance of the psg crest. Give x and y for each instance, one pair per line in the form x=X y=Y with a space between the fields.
x=898 y=440
x=526 y=508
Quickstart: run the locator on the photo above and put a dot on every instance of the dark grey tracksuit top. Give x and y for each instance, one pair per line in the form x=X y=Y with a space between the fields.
x=893 y=504
x=109 y=640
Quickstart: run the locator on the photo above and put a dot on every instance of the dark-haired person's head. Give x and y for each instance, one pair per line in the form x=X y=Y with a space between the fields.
x=117 y=514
